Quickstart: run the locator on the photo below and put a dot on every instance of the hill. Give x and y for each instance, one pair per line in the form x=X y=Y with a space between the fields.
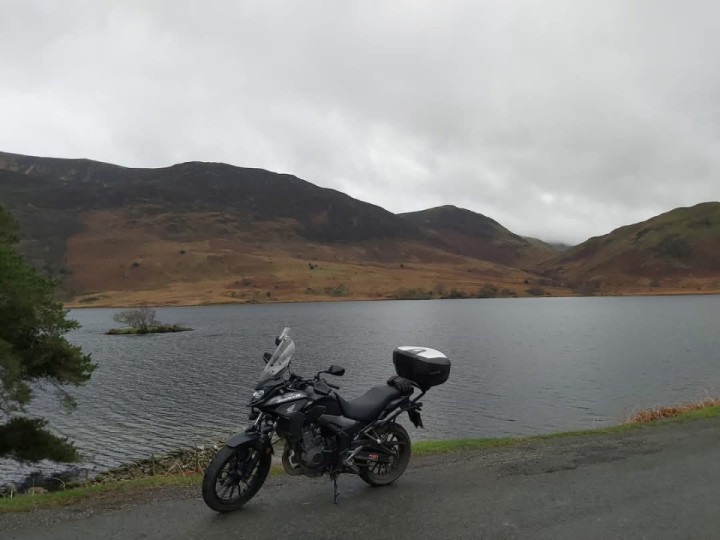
x=678 y=251
x=469 y=233
x=210 y=232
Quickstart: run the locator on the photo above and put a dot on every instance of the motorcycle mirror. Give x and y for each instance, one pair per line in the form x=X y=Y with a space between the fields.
x=336 y=370
x=267 y=356
x=277 y=340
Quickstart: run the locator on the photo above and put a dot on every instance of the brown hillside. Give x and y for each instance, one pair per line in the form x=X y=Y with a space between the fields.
x=209 y=232
x=469 y=233
x=678 y=250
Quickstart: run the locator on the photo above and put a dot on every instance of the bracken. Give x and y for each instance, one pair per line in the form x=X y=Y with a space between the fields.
x=658 y=413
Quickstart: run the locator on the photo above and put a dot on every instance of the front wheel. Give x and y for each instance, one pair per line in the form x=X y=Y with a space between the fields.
x=234 y=476
x=385 y=472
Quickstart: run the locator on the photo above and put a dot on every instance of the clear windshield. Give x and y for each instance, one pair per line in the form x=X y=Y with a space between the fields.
x=280 y=359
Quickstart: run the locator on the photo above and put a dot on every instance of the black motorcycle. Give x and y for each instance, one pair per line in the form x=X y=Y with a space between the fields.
x=322 y=432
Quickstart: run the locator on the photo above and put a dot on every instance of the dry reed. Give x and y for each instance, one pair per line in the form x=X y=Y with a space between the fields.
x=658 y=413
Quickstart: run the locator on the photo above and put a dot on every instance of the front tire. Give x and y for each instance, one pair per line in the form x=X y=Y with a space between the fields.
x=383 y=474
x=234 y=476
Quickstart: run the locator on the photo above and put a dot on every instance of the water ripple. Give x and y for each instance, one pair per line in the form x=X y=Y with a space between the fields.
x=520 y=366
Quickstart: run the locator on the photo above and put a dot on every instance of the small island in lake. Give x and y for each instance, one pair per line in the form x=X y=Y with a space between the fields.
x=142 y=321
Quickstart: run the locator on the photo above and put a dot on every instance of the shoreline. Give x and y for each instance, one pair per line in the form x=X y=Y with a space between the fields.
x=109 y=488
x=74 y=304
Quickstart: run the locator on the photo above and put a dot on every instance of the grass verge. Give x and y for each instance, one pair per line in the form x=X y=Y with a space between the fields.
x=703 y=409
x=24 y=503
x=110 y=490
x=104 y=491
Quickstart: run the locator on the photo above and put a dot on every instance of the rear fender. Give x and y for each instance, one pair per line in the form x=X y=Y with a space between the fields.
x=387 y=411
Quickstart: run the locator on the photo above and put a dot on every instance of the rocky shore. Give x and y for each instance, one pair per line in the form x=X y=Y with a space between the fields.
x=181 y=461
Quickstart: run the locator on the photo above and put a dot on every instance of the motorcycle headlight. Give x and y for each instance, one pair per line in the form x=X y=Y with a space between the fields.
x=257 y=394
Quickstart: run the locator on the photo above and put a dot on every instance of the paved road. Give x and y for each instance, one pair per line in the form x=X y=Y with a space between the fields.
x=660 y=482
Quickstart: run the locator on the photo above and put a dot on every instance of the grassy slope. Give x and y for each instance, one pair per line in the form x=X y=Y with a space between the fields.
x=470 y=233
x=109 y=490
x=678 y=251
x=126 y=257
x=119 y=260
x=190 y=233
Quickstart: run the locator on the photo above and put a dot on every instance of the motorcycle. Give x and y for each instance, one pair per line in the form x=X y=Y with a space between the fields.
x=322 y=432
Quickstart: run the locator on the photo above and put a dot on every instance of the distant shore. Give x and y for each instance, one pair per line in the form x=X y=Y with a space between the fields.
x=79 y=303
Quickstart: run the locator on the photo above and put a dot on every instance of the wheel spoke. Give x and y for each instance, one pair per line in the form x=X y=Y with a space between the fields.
x=224 y=490
x=235 y=477
x=395 y=446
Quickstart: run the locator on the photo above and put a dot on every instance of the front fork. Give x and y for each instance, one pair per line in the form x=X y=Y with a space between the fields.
x=259 y=435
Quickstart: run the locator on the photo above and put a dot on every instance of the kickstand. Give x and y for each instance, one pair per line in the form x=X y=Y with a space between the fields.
x=335 y=491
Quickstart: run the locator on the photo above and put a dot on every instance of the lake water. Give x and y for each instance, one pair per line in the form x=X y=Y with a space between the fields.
x=519 y=366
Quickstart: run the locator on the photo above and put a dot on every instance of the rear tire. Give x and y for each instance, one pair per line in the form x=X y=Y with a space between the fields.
x=382 y=474
x=232 y=479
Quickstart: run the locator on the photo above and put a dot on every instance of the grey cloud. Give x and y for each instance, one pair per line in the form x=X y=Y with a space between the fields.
x=560 y=119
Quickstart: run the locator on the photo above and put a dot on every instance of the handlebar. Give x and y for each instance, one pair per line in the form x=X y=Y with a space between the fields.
x=302 y=381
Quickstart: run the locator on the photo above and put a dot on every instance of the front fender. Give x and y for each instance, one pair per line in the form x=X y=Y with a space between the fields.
x=249 y=438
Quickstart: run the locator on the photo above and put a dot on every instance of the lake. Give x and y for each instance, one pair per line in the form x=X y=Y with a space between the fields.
x=519 y=366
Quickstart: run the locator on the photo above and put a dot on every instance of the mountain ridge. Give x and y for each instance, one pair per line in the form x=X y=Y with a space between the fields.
x=199 y=232
x=477 y=235
x=683 y=243
x=113 y=232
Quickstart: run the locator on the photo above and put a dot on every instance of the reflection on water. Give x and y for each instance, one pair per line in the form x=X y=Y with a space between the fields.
x=520 y=366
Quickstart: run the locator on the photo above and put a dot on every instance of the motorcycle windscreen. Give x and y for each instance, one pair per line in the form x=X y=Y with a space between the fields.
x=280 y=359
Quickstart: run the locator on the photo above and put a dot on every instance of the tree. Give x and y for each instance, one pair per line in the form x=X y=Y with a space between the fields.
x=33 y=351
x=142 y=318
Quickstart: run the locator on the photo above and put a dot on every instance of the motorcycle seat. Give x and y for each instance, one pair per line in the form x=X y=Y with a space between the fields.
x=368 y=406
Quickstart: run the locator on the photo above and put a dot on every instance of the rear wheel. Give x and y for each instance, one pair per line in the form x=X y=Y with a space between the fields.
x=386 y=470
x=234 y=476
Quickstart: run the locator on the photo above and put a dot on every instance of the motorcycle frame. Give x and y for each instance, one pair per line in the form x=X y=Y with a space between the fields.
x=262 y=434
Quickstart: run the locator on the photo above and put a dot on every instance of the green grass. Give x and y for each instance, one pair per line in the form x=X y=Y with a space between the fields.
x=422 y=448
x=450 y=445
x=25 y=503
x=109 y=490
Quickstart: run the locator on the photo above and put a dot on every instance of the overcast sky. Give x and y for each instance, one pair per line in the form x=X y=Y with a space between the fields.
x=559 y=119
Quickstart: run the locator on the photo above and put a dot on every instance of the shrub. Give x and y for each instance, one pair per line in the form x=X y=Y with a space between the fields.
x=487 y=291
x=536 y=291
x=26 y=439
x=141 y=318
x=340 y=290
x=458 y=293
x=674 y=246
x=585 y=288
x=413 y=294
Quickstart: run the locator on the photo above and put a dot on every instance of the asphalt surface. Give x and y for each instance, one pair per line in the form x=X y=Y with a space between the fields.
x=659 y=482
